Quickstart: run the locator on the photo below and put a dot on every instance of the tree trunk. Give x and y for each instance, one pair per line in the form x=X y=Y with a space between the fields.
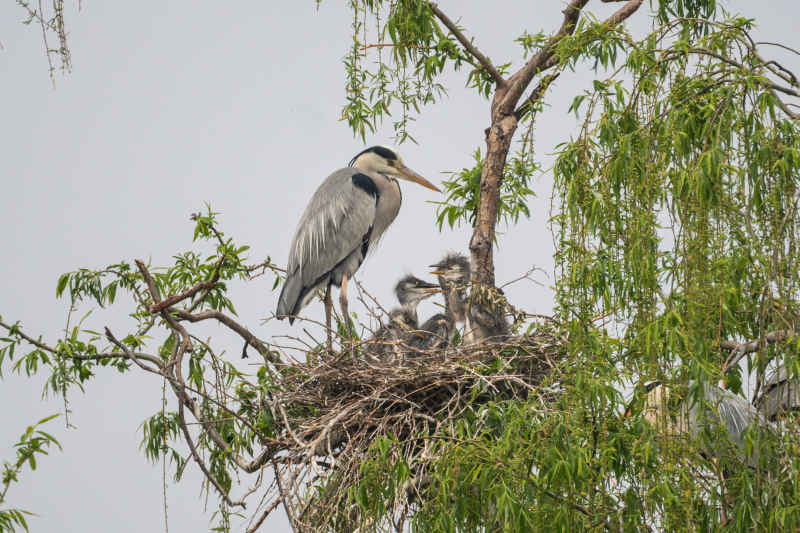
x=498 y=143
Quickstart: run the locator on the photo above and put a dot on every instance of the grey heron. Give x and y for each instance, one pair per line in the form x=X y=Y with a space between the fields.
x=346 y=217
x=714 y=407
x=781 y=394
x=453 y=274
x=403 y=321
x=434 y=334
x=481 y=313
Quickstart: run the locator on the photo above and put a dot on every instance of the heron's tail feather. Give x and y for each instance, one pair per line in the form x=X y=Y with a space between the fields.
x=295 y=295
x=290 y=296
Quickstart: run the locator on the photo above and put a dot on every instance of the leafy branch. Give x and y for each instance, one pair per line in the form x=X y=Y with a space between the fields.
x=34 y=442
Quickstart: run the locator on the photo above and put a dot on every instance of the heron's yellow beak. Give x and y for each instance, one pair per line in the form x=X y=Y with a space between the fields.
x=437 y=272
x=408 y=174
x=433 y=289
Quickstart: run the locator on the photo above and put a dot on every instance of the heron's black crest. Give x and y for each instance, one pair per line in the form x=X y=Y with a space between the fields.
x=365 y=183
x=651 y=385
x=380 y=150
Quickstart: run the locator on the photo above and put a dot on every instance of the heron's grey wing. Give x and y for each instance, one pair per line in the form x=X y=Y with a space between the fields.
x=434 y=334
x=334 y=224
x=719 y=406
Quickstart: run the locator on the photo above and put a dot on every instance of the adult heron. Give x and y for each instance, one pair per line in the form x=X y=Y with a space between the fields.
x=344 y=220
x=403 y=321
x=706 y=408
x=781 y=394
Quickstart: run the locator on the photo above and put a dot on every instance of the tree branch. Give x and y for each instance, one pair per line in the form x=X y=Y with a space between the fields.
x=537 y=93
x=126 y=354
x=739 y=350
x=623 y=13
x=130 y=355
x=546 y=59
x=186 y=343
x=485 y=62
x=522 y=78
x=242 y=331
x=188 y=293
x=199 y=461
x=30 y=340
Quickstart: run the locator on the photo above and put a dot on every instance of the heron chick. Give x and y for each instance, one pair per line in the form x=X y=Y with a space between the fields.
x=346 y=217
x=396 y=335
x=453 y=274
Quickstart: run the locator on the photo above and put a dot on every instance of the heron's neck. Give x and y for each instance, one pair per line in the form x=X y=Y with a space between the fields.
x=411 y=309
x=454 y=303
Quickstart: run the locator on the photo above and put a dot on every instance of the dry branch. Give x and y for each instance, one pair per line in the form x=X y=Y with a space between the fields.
x=331 y=412
x=172 y=299
x=740 y=349
x=485 y=62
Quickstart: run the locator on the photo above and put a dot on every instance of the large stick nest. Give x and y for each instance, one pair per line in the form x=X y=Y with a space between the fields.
x=332 y=410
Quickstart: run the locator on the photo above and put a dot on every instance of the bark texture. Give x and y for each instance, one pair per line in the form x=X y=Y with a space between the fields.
x=506 y=111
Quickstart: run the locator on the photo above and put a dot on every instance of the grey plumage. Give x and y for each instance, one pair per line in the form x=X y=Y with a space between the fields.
x=780 y=394
x=435 y=333
x=410 y=291
x=453 y=274
x=713 y=408
x=389 y=341
x=336 y=230
x=396 y=336
x=482 y=311
x=346 y=217
x=486 y=318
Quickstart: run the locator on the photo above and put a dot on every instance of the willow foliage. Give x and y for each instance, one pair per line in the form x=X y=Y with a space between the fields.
x=675 y=212
x=675 y=216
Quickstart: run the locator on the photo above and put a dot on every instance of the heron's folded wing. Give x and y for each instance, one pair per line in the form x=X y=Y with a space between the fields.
x=334 y=224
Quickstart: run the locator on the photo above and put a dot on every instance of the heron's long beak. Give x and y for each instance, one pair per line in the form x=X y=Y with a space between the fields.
x=428 y=287
x=408 y=174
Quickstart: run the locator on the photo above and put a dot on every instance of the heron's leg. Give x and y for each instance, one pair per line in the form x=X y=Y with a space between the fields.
x=343 y=304
x=328 y=310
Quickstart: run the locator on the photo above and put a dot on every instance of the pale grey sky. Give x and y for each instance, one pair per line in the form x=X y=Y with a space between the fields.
x=173 y=104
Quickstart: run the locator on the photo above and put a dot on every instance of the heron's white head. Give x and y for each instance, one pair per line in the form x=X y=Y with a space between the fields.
x=386 y=161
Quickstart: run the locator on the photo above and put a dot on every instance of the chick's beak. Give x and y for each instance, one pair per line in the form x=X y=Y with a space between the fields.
x=407 y=174
x=427 y=287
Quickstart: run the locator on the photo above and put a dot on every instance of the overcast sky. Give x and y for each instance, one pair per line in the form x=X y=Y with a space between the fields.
x=173 y=104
